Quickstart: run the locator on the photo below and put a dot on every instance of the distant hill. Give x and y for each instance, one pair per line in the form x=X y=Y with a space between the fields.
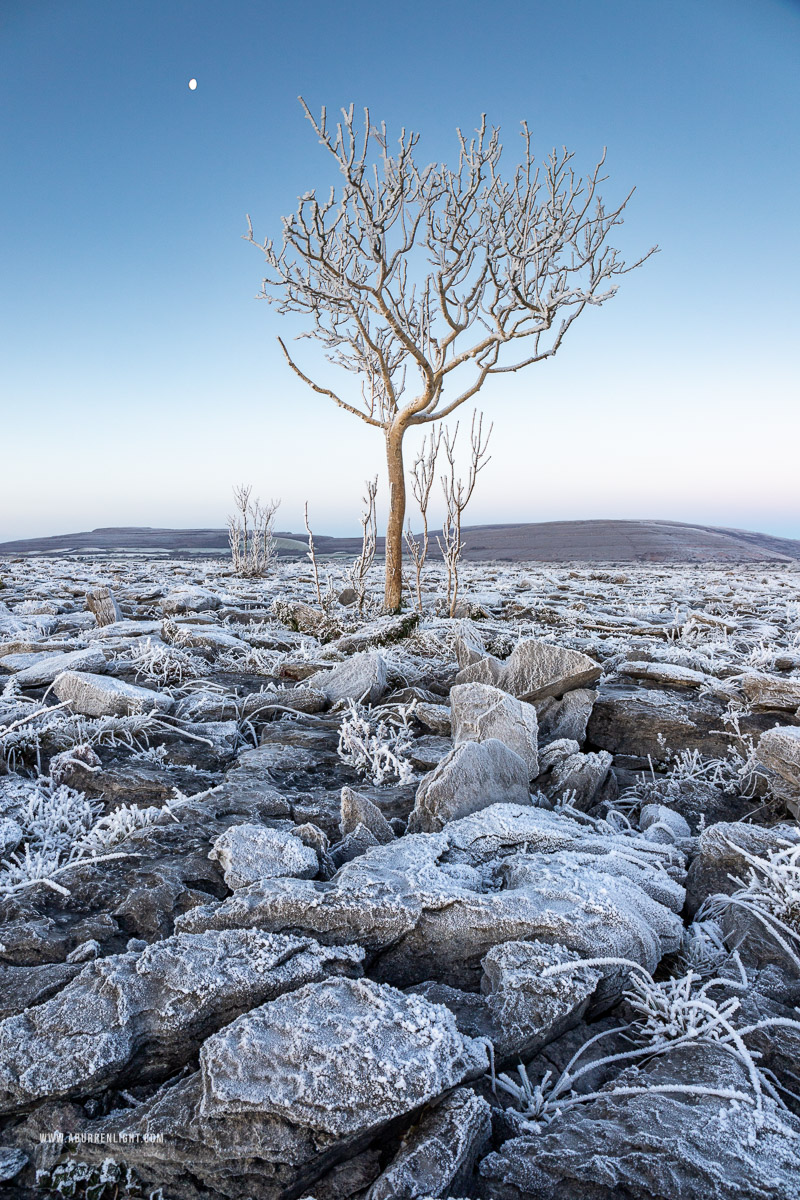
x=544 y=541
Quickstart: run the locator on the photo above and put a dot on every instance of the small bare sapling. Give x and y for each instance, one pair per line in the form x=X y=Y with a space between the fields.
x=457 y=495
x=359 y=570
x=250 y=534
x=422 y=475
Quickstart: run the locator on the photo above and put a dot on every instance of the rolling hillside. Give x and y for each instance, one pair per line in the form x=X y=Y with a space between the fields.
x=545 y=541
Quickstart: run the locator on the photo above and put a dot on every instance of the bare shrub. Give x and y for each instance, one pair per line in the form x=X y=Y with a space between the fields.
x=457 y=495
x=250 y=534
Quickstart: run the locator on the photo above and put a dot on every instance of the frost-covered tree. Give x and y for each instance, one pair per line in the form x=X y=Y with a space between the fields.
x=424 y=281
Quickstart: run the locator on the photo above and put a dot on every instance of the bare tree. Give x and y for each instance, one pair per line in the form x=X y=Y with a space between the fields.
x=425 y=281
x=422 y=476
x=457 y=495
x=359 y=570
x=250 y=533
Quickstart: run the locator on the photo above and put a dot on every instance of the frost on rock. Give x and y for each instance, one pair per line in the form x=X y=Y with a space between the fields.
x=248 y=853
x=723 y=856
x=435 y=904
x=567 y=717
x=779 y=749
x=50 y=666
x=527 y=1009
x=525 y=928
x=573 y=778
x=159 y=1003
x=536 y=669
x=103 y=604
x=439 y=1152
x=684 y=1125
x=361 y=678
x=293 y=1087
x=471 y=777
x=100 y=695
x=190 y=599
x=479 y=712
x=359 y=810
x=339 y=1057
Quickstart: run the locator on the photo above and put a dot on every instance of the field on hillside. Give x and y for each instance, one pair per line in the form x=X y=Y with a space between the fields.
x=298 y=900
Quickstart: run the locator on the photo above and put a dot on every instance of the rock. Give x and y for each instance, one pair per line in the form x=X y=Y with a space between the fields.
x=483 y=670
x=11 y=1162
x=33 y=646
x=353 y=845
x=663 y=824
x=468 y=645
x=313 y=836
x=425 y=753
x=431 y=906
x=207 y=706
x=201 y=637
x=373 y=916
x=665 y=673
x=527 y=1009
x=248 y=789
x=723 y=857
x=303 y=668
x=189 y=599
x=779 y=750
x=99 y=695
x=262 y=705
x=361 y=678
x=382 y=632
x=288 y=1091
x=480 y=711
x=22 y=987
x=14 y=663
x=101 y=602
x=46 y=669
x=435 y=717
x=151 y=1010
x=303 y=618
x=655 y=1145
x=644 y=722
x=438 y=1154
x=347 y=596
x=248 y=853
x=471 y=777
x=359 y=810
x=536 y=669
x=576 y=778
x=565 y=718
x=769 y=692
x=339 y=1057
x=126 y=629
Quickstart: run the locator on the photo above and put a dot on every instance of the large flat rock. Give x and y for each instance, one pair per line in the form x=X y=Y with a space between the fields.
x=101 y=695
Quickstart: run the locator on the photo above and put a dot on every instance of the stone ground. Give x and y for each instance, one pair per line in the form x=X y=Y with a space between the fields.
x=301 y=901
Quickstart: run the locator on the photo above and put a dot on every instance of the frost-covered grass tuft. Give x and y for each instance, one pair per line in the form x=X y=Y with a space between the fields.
x=117 y=825
x=770 y=894
x=58 y=731
x=675 y=1012
x=375 y=746
x=61 y=829
x=703 y=950
x=164 y=665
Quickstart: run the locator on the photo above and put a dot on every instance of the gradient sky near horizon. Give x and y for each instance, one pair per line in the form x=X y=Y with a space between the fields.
x=140 y=378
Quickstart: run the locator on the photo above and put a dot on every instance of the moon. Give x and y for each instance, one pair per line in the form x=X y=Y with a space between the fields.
x=192 y=84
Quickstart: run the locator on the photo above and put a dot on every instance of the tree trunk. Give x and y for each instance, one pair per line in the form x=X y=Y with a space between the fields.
x=393 y=592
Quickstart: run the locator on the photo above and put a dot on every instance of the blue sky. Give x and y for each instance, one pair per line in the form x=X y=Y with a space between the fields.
x=139 y=376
